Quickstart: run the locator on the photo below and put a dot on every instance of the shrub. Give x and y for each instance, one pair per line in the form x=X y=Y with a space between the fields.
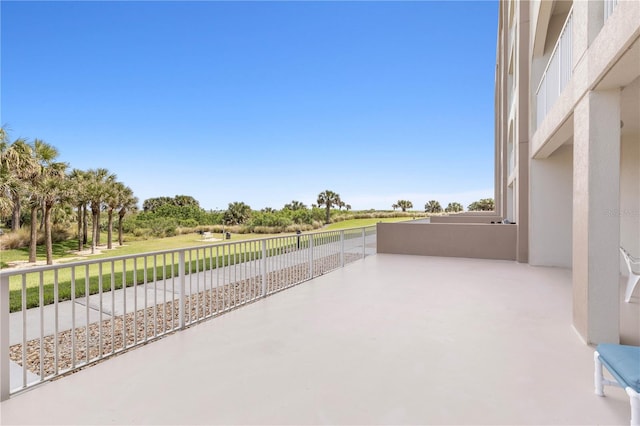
x=143 y=233
x=235 y=229
x=163 y=227
x=22 y=237
x=16 y=239
x=272 y=220
x=302 y=217
x=188 y=223
x=303 y=227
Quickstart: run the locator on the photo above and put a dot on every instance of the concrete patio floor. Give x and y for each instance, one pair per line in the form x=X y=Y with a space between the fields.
x=391 y=339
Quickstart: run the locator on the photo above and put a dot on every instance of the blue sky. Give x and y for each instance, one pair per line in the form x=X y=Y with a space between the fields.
x=261 y=102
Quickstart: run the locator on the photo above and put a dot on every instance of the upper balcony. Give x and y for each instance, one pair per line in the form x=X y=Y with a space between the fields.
x=387 y=339
x=564 y=60
x=557 y=72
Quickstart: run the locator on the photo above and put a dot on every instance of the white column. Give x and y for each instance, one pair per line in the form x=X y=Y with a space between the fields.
x=5 y=372
x=596 y=227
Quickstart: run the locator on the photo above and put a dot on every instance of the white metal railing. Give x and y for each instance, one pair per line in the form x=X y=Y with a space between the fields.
x=609 y=6
x=512 y=160
x=557 y=73
x=49 y=327
x=512 y=37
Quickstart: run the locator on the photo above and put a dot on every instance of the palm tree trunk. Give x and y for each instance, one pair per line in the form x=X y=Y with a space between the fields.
x=15 y=219
x=42 y=218
x=110 y=229
x=85 y=224
x=33 y=241
x=47 y=233
x=328 y=213
x=94 y=233
x=120 y=228
x=80 y=234
x=98 y=228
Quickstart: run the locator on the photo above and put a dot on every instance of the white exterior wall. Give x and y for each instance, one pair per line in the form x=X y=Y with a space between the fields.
x=583 y=179
x=630 y=172
x=629 y=197
x=551 y=207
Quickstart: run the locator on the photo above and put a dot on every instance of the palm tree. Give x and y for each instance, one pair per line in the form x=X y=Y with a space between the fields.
x=237 y=213
x=7 y=179
x=295 y=205
x=118 y=198
x=18 y=166
x=112 y=202
x=348 y=207
x=98 y=181
x=394 y=206
x=78 y=180
x=128 y=202
x=54 y=191
x=39 y=181
x=328 y=199
x=454 y=207
x=404 y=205
x=433 y=206
x=6 y=183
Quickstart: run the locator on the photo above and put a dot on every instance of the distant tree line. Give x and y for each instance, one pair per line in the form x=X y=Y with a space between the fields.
x=162 y=216
x=45 y=199
x=433 y=206
x=485 y=204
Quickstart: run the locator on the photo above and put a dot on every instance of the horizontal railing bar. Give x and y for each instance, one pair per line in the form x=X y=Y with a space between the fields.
x=43 y=268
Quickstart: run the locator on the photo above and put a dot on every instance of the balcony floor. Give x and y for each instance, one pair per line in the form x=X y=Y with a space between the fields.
x=389 y=340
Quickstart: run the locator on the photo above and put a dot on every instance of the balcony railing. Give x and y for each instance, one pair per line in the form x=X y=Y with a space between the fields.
x=56 y=319
x=609 y=6
x=511 y=161
x=557 y=73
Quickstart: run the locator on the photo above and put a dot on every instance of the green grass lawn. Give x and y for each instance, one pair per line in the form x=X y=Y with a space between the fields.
x=61 y=249
x=66 y=249
x=87 y=278
x=358 y=223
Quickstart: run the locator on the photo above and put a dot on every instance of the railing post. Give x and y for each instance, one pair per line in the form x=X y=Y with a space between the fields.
x=4 y=338
x=364 y=241
x=181 y=283
x=310 y=256
x=263 y=264
x=342 y=248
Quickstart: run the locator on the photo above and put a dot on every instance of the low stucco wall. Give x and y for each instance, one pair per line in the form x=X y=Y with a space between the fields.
x=466 y=219
x=477 y=240
x=476 y=213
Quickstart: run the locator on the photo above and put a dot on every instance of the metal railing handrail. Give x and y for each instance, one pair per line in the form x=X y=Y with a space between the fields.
x=158 y=293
